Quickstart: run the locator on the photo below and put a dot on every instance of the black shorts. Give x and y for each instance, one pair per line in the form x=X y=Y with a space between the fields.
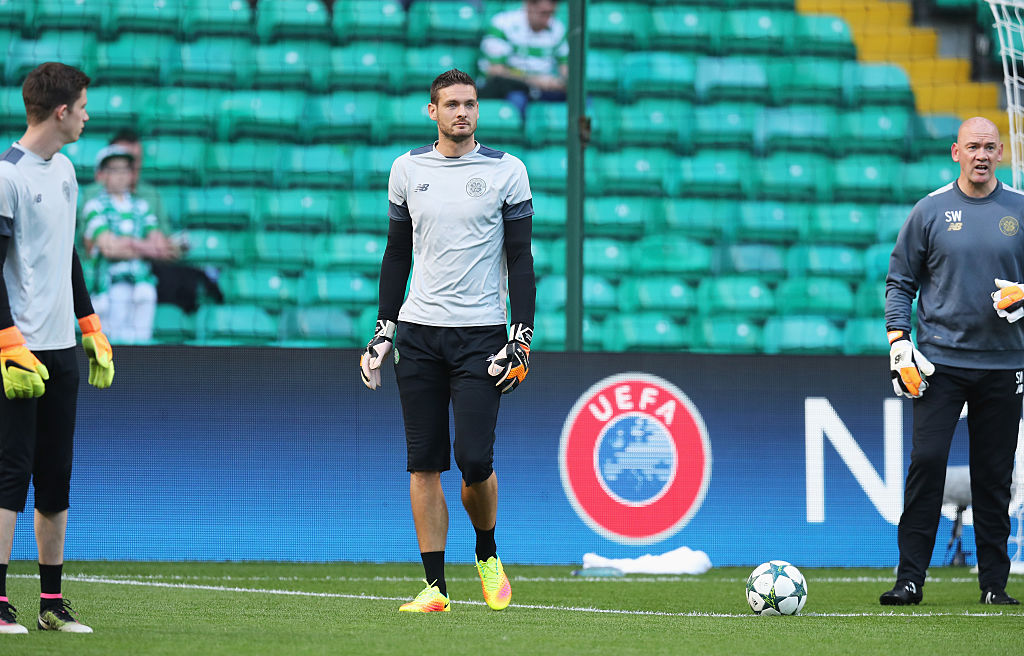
x=437 y=367
x=36 y=438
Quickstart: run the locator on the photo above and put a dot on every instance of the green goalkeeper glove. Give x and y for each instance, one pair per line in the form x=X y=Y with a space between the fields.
x=910 y=369
x=378 y=347
x=101 y=357
x=22 y=371
x=512 y=362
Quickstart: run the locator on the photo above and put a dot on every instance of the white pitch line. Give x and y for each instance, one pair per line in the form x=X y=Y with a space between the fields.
x=577 y=609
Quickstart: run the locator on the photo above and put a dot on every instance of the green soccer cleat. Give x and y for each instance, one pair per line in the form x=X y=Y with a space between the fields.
x=429 y=600
x=497 y=590
x=59 y=618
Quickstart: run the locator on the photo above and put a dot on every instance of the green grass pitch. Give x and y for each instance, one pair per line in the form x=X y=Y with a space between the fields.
x=197 y=609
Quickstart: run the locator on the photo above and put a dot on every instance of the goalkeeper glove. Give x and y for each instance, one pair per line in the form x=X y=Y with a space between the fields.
x=1008 y=300
x=22 y=372
x=512 y=362
x=910 y=369
x=376 y=349
x=101 y=357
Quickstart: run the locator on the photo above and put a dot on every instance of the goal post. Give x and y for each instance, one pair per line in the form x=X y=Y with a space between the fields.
x=1009 y=26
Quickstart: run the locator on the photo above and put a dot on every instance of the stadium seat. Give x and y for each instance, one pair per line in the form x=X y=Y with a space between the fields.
x=876 y=129
x=406 y=117
x=82 y=152
x=818 y=35
x=765 y=260
x=211 y=62
x=382 y=20
x=375 y=164
x=668 y=74
x=599 y=295
x=500 y=122
x=64 y=15
x=713 y=173
x=215 y=17
x=548 y=214
x=76 y=49
x=134 y=58
x=924 y=176
x=451 y=21
x=338 y=287
x=696 y=29
x=657 y=293
x=806 y=80
x=757 y=31
x=605 y=116
x=344 y=116
x=292 y=64
x=890 y=219
x=602 y=74
x=318 y=165
x=696 y=218
x=12 y=110
x=219 y=207
x=298 y=19
x=738 y=295
x=847 y=223
x=268 y=288
x=543 y=254
x=601 y=255
x=310 y=210
x=422 y=65
x=218 y=247
x=359 y=251
x=241 y=324
x=872 y=178
x=285 y=250
x=266 y=113
x=662 y=122
x=175 y=160
x=171 y=325
x=726 y=334
x=802 y=334
x=869 y=301
x=876 y=261
x=13 y=16
x=771 y=221
x=934 y=133
x=684 y=257
x=546 y=123
x=243 y=163
x=183 y=110
x=799 y=127
x=635 y=170
x=548 y=168
x=646 y=331
x=815 y=295
x=617 y=25
x=796 y=176
x=319 y=326
x=876 y=84
x=157 y=16
x=620 y=216
x=865 y=337
x=113 y=107
x=366 y=65
x=730 y=78
x=549 y=332
x=731 y=124
x=363 y=210
x=827 y=260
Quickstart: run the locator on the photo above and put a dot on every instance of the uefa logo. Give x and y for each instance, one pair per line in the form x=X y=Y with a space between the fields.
x=635 y=458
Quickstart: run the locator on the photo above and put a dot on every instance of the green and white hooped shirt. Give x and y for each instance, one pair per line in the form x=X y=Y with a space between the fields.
x=124 y=217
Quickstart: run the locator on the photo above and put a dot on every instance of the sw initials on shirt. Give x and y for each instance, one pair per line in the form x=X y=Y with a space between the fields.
x=955 y=219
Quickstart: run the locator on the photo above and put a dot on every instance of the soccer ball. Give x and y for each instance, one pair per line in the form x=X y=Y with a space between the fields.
x=776 y=588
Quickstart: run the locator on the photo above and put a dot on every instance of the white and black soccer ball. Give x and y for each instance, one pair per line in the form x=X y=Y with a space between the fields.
x=776 y=588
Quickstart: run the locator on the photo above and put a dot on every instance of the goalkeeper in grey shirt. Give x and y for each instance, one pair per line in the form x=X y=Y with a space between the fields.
x=961 y=248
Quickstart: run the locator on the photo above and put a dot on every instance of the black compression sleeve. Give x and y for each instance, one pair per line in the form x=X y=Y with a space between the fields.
x=394 y=269
x=522 y=283
x=6 y=320
x=83 y=304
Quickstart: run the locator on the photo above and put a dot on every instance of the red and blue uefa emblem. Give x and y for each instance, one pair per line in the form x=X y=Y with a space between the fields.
x=635 y=458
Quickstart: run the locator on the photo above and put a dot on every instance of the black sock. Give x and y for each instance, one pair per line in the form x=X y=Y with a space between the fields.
x=433 y=567
x=485 y=547
x=49 y=584
x=3 y=580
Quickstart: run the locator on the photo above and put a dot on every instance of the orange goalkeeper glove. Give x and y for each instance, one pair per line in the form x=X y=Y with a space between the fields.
x=101 y=357
x=1008 y=300
x=22 y=371
x=511 y=364
x=909 y=368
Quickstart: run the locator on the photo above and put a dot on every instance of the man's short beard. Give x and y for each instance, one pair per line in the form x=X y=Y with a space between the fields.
x=457 y=138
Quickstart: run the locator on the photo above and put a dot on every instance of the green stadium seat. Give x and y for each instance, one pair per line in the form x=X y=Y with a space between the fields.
x=318 y=165
x=500 y=122
x=746 y=295
x=713 y=172
x=308 y=210
x=359 y=251
x=876 y=84
x=82 y=153
x=424 y=64
x=601 y=255
x=382 y=20
x=343 y=116
x=219 y=207
x=215 y=17
x=174 y=160
x=546 y=123
x=727 y=124
x=876 y=261
x=549 y=332
x=697 y=218
x=65 y=15
x=171 y=325
x=319 y=326
x=602 y=74
x=599 y=294
x=286 y=250
x=687 y=258
x=815 y=295
x=543 y=254
x=267 y=113
x=924 y=176
x=796 y=176
x=218 y=247
x=934 y=133
x=242 y=163
x=76 y=49
x=406 y=117
x=819 y=35
x=771 y=221
x=662 y=122
x=135 y=58
x=757 y=31
x=14 y=15
x=211 y=62
x=876 y=129
x=635 y=170
x=292 y=64
x=890 y=219
x=806 y=80
x=617 y=25
x=12 y=110
x=866 y=178
x=239 y=324
x=184 y=110
x=645 y=331
x=669 y=74
x=730 y=78
x=869 y=301
x=375 y=165
x=846 y=223
x=548 y=168
x=696 y=29
x=449 y=21
x=807 y=334
x=549 y=212
x=298 y=19
x=158 y=16
x=112 y=107
x=657 y=293
x=799 y=127
x=605 y=115
x=366 y=210
x=827 y=260
x=620 y=216
x=268 y=288
x=865 y=337
x=767 y=261
x=726 y=334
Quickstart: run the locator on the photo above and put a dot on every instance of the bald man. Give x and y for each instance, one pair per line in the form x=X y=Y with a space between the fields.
x=960 y=249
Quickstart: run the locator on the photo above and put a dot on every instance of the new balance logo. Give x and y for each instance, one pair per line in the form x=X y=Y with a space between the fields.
x=955 y=219
x=421 y=187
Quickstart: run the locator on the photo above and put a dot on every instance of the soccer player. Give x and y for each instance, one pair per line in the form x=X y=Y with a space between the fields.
x=959 y=244
x=44 y=292
x=461 y=219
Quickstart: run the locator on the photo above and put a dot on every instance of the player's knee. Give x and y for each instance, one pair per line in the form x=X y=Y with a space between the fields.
x=475 y=468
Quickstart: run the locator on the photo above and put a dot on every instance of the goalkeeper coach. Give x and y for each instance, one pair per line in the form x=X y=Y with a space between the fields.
x=461 y=219
x=961 y=247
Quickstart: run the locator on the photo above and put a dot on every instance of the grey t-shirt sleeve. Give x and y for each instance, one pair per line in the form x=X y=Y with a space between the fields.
x=906 y=266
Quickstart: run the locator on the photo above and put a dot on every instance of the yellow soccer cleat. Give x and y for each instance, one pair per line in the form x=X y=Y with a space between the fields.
x=429 y=600
x=497 y=590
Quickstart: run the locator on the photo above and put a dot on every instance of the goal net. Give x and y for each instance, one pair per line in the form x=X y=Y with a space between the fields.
x=1009 y=27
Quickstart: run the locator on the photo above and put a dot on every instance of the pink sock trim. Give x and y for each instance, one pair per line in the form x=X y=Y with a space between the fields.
x=3 y=599
x=45 y=595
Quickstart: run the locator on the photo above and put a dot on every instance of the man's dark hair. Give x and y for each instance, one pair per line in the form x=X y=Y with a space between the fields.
x=125 y=135
x=48 y=87
x=448 y=79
